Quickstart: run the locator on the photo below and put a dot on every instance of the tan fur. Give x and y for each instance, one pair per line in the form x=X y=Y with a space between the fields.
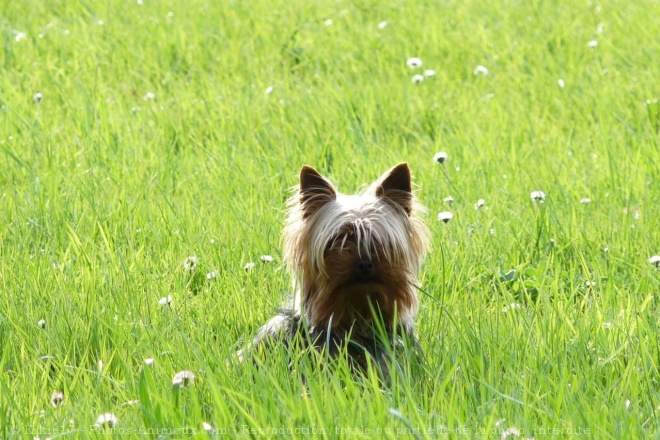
x=327 y=233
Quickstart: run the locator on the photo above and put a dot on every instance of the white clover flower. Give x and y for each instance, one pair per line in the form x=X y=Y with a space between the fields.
x=266 y=259
x=414 y=63
x=269 y=89
x=481 y=70
x=480 y=203
x=107 y=420
x=592 y=44
x=440 y=157
x=382 y=25
x=183 y=379
x=585 y=201
x=165 y=301
x=149 y=362
x=448 y=200
x=429 y=73
x=149 y=96
x=417 y=79
x=190 y=263
x=561 y=83
x=42 y=323
x=249 y=266
x=212 y=275
x=57 y=399
x=37 y=97
x=655 y=261
x=537 y=196
x=445 y=216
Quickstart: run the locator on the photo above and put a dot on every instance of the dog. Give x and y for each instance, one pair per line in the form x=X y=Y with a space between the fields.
x=354 y=260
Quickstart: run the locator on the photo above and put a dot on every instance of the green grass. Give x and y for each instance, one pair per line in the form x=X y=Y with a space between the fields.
x=104 y=194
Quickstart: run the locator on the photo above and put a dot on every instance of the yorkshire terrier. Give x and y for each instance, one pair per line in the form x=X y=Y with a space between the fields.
x=354 y=261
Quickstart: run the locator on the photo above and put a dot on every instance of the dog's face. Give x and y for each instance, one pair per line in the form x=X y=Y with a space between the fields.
x=353 y=256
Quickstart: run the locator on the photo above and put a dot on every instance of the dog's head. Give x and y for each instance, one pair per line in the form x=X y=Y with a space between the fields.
x=355 y=255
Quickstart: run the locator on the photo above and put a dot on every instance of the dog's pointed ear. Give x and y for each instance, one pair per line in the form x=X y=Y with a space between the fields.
x=395 y=186
x=315 y=190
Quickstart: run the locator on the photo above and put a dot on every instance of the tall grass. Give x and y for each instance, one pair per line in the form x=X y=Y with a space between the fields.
x=168 y=129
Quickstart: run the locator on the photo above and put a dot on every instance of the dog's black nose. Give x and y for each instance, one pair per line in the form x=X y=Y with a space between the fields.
x=364 y=269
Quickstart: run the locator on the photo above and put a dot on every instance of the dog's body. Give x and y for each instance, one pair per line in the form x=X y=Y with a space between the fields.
x=354 y=260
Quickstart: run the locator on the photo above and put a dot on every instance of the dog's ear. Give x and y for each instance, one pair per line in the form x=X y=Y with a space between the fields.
x=315 y=190
x=395 y=186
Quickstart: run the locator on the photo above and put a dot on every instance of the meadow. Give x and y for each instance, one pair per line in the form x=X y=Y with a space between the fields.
x=137 y=134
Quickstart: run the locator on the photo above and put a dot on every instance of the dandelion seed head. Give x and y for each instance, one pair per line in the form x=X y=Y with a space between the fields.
x=249 y=266
x=328 y=22
x=429 y=73
x=628 y=404
x=607 y=325
x=561 y=83
x=382 y=25
x=445 y=216
x=42 y=323
x=149 y=96
x=190 y=263
x=20 y=36
x=269 y=89
x=440 y=157
x=448 y=200
x=266 y=258
x=414 y=63
x=417 y=79
x=585 y=201
x=511 y=306
x=480 y=70
x=149 y=362
x=212 y=275
x=183 y=379
x=165 y=301
x=510 y=432
x=57 y=399
x=592 y=44
x=655 y=261
x=208 y=428
x=37 y=97
x=537 y=196
x=107 y=420
x=480 y=203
